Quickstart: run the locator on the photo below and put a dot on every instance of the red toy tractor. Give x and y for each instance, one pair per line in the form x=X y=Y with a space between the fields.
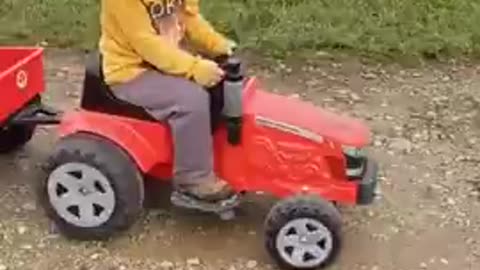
x=309 y=158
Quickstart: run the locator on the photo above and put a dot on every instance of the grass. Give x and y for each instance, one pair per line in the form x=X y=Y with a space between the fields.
x=422 y=28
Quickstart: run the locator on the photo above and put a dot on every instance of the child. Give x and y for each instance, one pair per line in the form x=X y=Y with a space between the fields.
x=138 y=34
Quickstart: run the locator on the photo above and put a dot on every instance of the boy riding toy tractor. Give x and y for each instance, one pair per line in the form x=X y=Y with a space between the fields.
x=309 y=158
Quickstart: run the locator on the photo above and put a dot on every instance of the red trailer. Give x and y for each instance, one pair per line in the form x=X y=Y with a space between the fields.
x=21 y=83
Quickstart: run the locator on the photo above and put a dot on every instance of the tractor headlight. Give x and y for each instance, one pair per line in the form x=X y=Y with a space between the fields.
x=355 y=161
x=354 y=152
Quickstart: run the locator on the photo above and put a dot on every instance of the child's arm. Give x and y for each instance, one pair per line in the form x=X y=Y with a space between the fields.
x=201 y=33
x=142 y=38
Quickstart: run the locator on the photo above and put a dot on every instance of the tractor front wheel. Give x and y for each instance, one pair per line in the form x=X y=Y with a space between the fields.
x=303 y=232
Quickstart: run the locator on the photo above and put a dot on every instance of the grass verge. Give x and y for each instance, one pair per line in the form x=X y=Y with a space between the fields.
x=389 y=28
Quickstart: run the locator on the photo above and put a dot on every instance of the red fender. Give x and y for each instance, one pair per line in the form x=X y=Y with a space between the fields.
x=141 y=140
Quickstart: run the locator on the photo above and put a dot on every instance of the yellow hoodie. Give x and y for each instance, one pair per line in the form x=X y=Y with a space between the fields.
x=140 y=32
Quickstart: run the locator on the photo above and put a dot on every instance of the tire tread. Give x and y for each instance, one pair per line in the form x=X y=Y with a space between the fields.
x=301 y=207
x=117 y=166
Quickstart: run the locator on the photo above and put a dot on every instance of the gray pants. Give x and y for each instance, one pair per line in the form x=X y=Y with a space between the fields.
x=185 y=106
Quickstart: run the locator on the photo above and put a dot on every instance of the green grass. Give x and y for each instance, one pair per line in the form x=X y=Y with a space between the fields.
x=62 y=23
x=374 y=27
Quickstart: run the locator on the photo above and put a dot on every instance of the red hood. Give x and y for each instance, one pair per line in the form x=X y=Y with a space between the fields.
x=340 y=129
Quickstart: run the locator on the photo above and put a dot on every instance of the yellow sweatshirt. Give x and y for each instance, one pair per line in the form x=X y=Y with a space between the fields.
x=136 y=32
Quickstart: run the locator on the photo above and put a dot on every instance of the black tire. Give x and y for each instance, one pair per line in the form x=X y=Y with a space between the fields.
x=14 y=137
x=300 y=207
x=122 y=174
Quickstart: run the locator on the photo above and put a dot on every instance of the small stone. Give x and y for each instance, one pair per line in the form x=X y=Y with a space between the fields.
x=251 y=264
x=355 y=97
x=472 y=141
x=95 y=256
x=451 y=201
x=431 y=115
x=167 y=265
x=388 y=117
x=444 y=261
x=73 y=94
x=395 y=229
x=29 y=207
x=377 y=143
x=369 y=76
x=336 y=65
x=416 y=75
x=400 y=144
x=22 y=230
x=60 y=74
x=322 y=54
x=375 y=267
x=193 y=262
x=26 y=247
x=423 y=265
x=475 y=193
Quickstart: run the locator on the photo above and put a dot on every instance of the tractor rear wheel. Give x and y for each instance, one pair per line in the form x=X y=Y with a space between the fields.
x=92 y=189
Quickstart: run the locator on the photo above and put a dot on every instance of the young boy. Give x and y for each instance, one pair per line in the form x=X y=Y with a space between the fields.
x=145 y=64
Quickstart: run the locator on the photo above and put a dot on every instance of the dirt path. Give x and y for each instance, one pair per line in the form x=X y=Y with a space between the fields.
x=427 y=138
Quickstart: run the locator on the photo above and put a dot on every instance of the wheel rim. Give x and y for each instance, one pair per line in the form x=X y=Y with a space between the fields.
x=304 y=243
x=81 y=195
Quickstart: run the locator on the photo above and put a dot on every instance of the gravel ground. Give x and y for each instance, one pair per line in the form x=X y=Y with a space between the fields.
x=427 y=137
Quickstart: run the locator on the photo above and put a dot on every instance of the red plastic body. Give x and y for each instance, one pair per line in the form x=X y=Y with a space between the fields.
x=21 y=78
x=287 y=147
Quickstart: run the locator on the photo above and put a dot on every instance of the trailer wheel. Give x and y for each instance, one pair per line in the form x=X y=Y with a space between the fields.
x=14 y=137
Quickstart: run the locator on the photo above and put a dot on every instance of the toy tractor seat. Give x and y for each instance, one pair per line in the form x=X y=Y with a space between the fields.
x=97 y=96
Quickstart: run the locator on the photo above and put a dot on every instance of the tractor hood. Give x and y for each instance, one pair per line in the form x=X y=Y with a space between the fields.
x=303 y=117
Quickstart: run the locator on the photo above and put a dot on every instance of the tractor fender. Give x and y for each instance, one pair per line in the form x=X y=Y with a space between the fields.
x=147 y=143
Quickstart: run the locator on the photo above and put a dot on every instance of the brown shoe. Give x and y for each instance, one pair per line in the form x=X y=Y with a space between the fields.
x=210 y=190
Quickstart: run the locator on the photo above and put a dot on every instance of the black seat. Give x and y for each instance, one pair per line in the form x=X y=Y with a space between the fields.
x=97 y=96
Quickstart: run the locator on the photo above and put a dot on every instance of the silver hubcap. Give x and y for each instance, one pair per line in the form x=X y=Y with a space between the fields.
x=81 y=195
x=304 y=243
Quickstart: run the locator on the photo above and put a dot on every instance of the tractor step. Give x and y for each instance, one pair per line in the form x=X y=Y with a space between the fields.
x=224 y=209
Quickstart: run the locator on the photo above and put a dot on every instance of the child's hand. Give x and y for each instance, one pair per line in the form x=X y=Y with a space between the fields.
x=207 y=73
x=224 y=48
x=232 y=46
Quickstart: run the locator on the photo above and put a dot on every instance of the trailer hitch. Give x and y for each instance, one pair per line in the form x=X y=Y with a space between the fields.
x=36 y=114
